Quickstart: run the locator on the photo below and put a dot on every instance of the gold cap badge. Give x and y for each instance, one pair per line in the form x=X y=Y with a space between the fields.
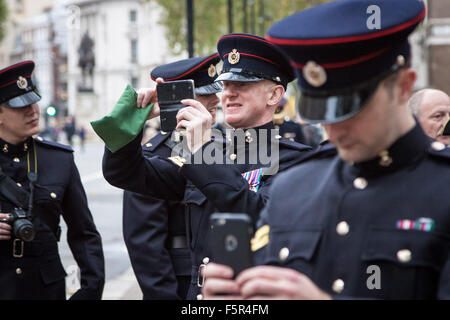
x=314 y=74
x=22 y=83
x=212 y=71
x=234 y=57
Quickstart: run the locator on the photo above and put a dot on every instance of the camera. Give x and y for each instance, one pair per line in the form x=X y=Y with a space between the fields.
x=170 y=95
x=22 y=226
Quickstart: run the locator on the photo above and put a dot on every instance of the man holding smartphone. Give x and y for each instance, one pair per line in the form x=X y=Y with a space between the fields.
x=155 y=229
x=255 y=76
x=373 y=221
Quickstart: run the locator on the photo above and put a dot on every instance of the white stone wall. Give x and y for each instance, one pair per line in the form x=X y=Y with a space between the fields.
x=108 y=24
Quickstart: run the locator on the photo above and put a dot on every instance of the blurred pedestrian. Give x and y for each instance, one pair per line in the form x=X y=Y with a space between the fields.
x=432 y=109
x=70 y=129
x=373 y=221
x=82 y=135
x=39 y=184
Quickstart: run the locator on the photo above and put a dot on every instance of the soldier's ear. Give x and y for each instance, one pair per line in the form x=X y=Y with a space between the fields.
x=406 y=81
x=276 y=94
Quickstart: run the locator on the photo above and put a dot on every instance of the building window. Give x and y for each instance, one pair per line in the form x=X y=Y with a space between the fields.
x=134 y=50
x=133 y=16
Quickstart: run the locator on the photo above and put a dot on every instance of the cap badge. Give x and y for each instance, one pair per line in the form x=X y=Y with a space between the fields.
x=314 y=74
x=22 y=83
x=212 y=71
x=234 y=57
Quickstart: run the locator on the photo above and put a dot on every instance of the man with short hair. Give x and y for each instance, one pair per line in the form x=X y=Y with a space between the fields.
x=432 y=109
x=255 y=75
x=155 y=229
x=39 y=184
x=373 y=221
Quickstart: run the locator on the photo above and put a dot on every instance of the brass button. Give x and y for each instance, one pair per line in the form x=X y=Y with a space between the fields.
x=404 y=255
x=248 y=137
x=53 y=195
x=18 y=271
x=19 y=184
x=16 y=159
x=338 y=285
x=148 y=145
x=385 y=159
x=438 y=146
x=342 y=228
x=360 y=183
x=233 y=156
x=283 y=254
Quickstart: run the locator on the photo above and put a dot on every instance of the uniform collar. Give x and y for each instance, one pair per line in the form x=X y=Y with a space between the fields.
x=19 y=149
x=252 y=133
x=406 y=151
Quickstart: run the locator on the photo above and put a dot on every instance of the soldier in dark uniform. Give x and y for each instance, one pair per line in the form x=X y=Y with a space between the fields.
x=255 y=75
x=288 y=129
x=372 y=221
x=155 y=229
x=39 y=184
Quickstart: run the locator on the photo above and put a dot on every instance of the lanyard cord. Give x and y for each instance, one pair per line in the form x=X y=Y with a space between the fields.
x=32 y=178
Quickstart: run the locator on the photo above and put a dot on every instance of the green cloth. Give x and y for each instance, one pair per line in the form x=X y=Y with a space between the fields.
x=124 y=123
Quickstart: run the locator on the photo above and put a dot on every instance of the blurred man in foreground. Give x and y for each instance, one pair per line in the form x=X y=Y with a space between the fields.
x=372 y=222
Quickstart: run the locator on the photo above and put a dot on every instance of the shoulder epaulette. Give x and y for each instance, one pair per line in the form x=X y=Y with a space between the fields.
x=439 y=149
x=52 y=144
x=294 y=145
x=322 y=151
x=156 y=141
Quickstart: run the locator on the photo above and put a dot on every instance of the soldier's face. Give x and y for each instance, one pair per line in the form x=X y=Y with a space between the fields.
x=210 y=101
x=434 y=113
x=245 y=104
x=17 y=124
x=381 y=122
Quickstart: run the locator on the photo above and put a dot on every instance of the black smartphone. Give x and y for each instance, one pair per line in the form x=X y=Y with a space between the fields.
x=230 y=235
x=446 y=131
x=169 y=96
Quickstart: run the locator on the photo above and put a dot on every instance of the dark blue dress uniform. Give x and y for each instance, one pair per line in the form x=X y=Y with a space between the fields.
x=155 y=229
x=288 y=129
x=345 y=218
x=374 y=229
x=33 y=270
x=228 y=185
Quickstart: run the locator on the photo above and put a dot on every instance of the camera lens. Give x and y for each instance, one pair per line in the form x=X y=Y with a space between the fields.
x=24 y=230
x=231 y=243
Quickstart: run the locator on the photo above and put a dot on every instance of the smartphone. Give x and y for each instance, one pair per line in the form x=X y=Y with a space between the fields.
x=170 y=95
x=230 y=235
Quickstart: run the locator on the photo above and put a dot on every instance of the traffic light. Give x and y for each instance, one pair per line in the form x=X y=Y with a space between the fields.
x=51 y=111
